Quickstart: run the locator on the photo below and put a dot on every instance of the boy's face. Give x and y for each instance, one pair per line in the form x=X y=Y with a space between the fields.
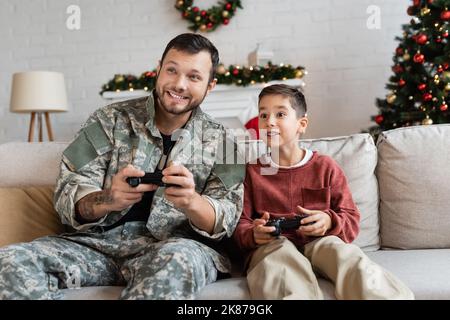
x=278 y=121
x=183 y=80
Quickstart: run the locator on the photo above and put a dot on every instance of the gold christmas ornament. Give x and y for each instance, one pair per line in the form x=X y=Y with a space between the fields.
x=225 y=14
x=298 y=74
x=198 y=18
x=203 y=28
x=425 y=11
x=221 y=69
x=180 y=3
x=447 y=87
x=406 y=57
x=427 y=121
x=391 y=98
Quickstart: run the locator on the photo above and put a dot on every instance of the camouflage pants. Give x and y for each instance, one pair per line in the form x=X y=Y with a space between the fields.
x=128 y=255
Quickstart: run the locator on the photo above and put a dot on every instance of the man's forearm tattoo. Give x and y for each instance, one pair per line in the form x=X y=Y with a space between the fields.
x=85 y=207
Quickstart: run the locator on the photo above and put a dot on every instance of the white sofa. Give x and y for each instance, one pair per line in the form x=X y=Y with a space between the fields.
x=401 y=186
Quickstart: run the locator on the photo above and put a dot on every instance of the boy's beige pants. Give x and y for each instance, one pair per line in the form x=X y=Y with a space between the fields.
x=278 y=270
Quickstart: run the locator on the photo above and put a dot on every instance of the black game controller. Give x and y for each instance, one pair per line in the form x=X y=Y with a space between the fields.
x=282 y=224
x=149 y=178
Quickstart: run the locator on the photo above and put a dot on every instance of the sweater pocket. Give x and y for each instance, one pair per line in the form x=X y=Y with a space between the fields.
x=316 y=199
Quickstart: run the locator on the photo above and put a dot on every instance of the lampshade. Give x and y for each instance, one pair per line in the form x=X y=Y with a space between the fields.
x=38 y=91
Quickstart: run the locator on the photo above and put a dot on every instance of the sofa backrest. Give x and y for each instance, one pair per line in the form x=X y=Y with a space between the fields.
x=30 y=164
x=25 y=164
x=414 y=176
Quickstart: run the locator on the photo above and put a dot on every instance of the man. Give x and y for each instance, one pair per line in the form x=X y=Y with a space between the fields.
x=150 y=239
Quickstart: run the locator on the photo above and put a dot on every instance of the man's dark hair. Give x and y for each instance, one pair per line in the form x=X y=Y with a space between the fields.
x=194 y=43
x=296 y=97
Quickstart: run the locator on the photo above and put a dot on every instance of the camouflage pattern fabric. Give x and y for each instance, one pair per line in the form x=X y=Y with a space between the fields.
x=126 y=255
x=166 y=258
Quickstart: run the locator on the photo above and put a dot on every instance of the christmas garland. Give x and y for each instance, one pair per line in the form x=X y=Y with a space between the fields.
x=233 y=75
x=209 y=19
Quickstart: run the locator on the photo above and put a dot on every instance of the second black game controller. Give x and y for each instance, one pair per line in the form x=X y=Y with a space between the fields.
x=282 y=224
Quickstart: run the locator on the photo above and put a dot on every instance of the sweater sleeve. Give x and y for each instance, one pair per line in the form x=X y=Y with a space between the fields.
x=344 y=214
x=243 y=235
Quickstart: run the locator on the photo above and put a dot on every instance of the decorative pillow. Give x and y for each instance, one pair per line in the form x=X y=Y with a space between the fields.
x=26 y=214
x=414 y=174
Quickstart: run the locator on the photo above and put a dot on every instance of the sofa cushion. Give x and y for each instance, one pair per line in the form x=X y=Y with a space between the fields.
x=357 y=156
x=26 y=214
x=414 y=173
x=30 y=164
x=227 y=289
x=425 y=272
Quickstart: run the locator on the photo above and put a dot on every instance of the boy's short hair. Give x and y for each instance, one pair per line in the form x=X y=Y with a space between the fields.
x=296 y=97
x=194 y=43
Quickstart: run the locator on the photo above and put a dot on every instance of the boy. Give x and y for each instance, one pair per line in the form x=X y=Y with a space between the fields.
x=308 y=184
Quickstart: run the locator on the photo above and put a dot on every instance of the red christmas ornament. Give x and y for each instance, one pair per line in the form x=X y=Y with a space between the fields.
x=421 y=39
x=445 y=65
x=379 y=119
x=228 y=6
x=399 y=51
x=410 y=10
x=445 y=15
x=401 y=82
x=209 y=25
x=443 y=107
x=445 y=34
x=419 y=58
x=416 y=2
x=422 y=86
x=195 y=9
x=438 y=39
x=440 y=69
x=203 y=13
x=185 y=14
x=235 y=72
x=397 y=68
x=427 y=96
x=226 y=21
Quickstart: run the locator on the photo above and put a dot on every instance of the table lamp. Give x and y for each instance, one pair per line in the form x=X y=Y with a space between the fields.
x=38 y=92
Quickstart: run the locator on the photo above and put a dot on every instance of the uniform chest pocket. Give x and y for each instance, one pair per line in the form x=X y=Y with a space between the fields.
x=316 y=199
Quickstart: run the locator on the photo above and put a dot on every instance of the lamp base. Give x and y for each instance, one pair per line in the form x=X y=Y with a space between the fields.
x=39 y=119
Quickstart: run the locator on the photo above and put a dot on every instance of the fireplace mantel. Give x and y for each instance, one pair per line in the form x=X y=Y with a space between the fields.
x=232 y=105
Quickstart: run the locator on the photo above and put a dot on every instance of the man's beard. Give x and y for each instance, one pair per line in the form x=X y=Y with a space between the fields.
x=192 y=105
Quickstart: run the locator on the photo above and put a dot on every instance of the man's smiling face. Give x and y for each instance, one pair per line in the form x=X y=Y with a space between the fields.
x=183 y=81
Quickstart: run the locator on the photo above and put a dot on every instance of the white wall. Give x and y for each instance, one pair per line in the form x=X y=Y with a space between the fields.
x=348 y=64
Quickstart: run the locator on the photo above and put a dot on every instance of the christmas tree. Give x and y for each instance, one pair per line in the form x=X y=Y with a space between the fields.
x=420 y=86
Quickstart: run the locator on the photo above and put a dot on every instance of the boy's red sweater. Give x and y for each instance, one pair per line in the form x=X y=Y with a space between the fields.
x=320 y=184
